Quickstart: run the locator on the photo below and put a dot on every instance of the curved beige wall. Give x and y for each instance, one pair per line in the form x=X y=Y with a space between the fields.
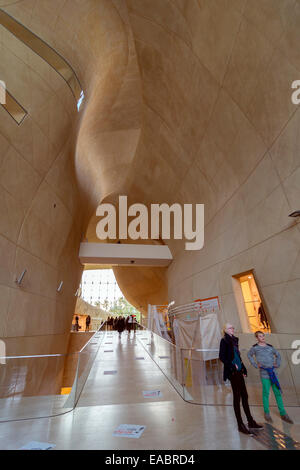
x=186 y=101
x=39 y=202
x=220 y=128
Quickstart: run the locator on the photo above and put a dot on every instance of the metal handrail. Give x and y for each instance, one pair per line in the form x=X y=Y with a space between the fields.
x=193 y=307
x=92 y=337
x=53 y=355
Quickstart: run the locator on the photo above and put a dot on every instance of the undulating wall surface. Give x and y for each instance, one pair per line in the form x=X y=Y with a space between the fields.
x=39 y=202
x=187 y=101
x=220 y=128
x=58 y=165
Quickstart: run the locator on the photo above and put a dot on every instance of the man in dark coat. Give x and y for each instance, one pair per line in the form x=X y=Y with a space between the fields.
x=121 y=325
x=234 y=370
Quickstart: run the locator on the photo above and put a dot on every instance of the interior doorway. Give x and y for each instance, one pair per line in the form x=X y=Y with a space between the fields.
x=256 y=317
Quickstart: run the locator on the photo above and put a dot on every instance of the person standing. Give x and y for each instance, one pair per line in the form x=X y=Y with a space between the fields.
x=77 y=326
x=263 y=316
x=134 y=323
x=87 y=323
x=235 y=371
x=267 y=358
x=128 y=325
x=120 y=325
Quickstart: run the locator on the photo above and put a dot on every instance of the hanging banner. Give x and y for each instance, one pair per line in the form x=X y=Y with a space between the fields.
x=159 y=326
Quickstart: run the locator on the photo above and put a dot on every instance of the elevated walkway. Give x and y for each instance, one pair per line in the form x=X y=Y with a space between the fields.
x=113 y=395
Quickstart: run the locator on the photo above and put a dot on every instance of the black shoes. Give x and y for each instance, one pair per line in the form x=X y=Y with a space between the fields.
x=253 y=425
x=287 y=419
x=242 y=428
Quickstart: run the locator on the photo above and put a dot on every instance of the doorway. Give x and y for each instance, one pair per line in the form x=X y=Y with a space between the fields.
x=256 y=317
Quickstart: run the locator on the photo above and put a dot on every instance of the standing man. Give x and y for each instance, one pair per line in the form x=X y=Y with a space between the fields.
x=87 y=323
x=235 y=371
x=134 y=322
x=267 y=359
x=130 y=324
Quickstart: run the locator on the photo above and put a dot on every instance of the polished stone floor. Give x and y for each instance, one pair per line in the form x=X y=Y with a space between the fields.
x=109 y=400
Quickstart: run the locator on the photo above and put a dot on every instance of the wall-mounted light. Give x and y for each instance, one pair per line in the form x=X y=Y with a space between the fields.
x=295 y=214
x=60 y=286
x=78 y=292
x=20 y=279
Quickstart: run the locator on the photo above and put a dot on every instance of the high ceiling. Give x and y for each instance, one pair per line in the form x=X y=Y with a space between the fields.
x=186 y=101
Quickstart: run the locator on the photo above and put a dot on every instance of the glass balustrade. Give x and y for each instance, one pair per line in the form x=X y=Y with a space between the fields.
x=197 y=374
x=31 y=386
x=45 y=385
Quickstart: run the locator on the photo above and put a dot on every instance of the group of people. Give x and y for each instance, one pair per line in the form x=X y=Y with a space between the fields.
x=77 y=327
x=121 y=323
x=262 y=356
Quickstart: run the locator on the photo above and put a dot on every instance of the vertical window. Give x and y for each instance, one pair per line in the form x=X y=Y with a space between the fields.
x=255 y=316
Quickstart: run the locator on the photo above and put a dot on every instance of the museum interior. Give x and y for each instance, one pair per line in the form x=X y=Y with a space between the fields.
x=165 y=102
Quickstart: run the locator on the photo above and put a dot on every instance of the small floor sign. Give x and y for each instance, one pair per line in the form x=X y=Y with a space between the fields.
x=152 y=394
x=34 y=445
x=133 y=431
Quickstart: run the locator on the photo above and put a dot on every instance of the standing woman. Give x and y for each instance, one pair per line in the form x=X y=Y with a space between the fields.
x=235 y=371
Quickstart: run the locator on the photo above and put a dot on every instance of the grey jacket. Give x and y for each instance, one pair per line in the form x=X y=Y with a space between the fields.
x=266 y=356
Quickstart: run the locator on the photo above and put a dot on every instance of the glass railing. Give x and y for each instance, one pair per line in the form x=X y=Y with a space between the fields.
x=166 y=355
x=197 y=374
x=203 y=379
x=45 y=385
x=45 y=51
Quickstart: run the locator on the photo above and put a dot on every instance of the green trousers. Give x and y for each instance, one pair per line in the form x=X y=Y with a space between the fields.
x=266 y=385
